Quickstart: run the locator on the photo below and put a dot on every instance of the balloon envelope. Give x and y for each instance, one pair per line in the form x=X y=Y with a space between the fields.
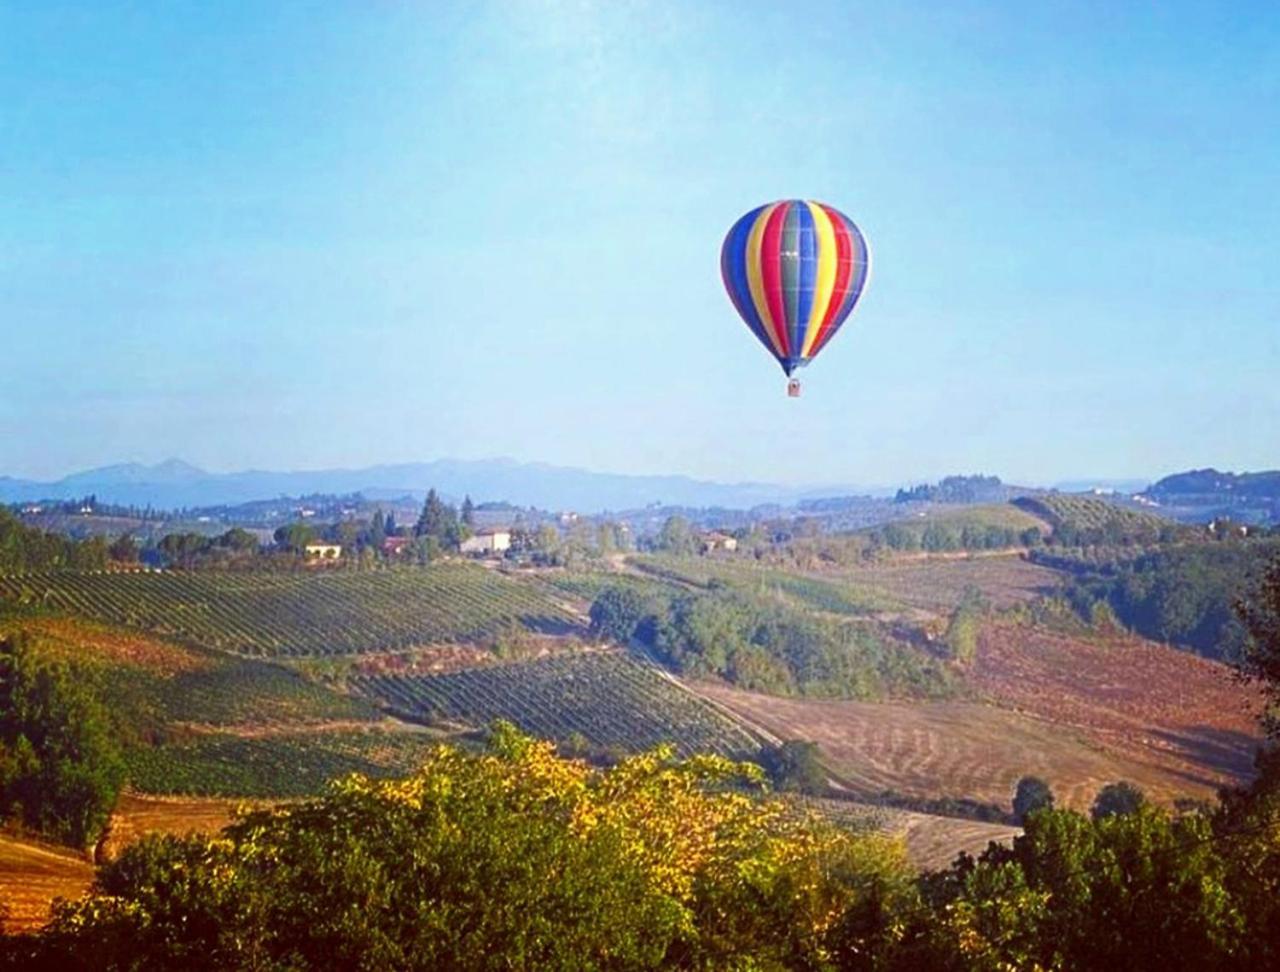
x=794 y=270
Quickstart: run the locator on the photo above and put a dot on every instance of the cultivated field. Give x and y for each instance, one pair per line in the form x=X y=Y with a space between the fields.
x=938 y=750
x=151 y=683
x=836 y=595
x=303 y=613
x=32 y=874
x=1078 y=512
x=931 y=841
x=608 y=699
x=277 y=765
x=967 y=750
x=1153 y=704
x=937 y=582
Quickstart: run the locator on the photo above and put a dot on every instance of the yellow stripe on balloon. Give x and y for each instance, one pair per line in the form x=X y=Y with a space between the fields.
x=825 y=280
x=755 y=275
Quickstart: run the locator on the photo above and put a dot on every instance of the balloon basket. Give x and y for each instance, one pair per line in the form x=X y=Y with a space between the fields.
x=793 y=388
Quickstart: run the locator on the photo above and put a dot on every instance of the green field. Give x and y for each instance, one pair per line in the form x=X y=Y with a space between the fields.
x=302 y=614
x=610 y=700
x=286 y=765
x=147 y=683
x=837 y=595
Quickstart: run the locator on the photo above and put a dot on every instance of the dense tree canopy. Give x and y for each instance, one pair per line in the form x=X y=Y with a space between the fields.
x=515 y=859
x=60 y=769
x=1181 y=594
x=760 y=644
x=24 y=548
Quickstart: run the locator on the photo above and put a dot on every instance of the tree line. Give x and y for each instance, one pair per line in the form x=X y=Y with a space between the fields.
x=763 y=646
x=1184 y=595
x=24 y=548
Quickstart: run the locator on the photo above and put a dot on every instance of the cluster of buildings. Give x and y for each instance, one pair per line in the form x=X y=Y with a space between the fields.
x=491 y=541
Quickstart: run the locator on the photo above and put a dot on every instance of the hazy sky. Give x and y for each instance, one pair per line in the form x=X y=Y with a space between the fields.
x=304 y=235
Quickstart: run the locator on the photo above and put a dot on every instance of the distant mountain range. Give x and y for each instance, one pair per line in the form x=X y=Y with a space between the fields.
x=174 y=483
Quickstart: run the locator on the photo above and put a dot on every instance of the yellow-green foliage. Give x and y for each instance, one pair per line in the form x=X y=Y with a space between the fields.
x=515 y=859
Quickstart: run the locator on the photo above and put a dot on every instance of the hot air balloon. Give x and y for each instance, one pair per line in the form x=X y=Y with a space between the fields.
x=794 y=270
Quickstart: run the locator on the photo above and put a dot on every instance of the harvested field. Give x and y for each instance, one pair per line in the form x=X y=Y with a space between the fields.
x=957 y=750
x=33 y=873
x=933 y=842
x=937 y=583
x=137 y=815
x=1148 y=702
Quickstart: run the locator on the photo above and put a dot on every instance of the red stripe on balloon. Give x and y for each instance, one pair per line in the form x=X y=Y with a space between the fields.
x=771 y=272
x=844 y=272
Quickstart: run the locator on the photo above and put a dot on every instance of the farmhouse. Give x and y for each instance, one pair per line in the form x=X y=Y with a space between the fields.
x=394 y=546
x=717 y=541
x=490 y=541
x=323 y=551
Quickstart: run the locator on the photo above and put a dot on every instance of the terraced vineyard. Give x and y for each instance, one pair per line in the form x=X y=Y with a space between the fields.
x=1087 y=514
x=298 y=614
x=614 y=702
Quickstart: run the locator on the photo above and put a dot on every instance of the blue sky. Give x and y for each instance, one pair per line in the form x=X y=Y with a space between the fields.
x=306 y=235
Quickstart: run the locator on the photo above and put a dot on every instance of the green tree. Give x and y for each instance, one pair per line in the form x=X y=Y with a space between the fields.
x=794 y=766
x=294 y=537
x=124 y=549
x=468 y=513
x=1260 y=615
x=961 y=637
x=617 y=612
x=439 y=521
x=1117 y=798
x=239 y=540
x=60 y=769
x=676 y=536
x=1032 y=794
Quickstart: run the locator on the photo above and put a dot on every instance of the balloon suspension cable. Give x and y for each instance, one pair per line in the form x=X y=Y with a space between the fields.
x=793 y=388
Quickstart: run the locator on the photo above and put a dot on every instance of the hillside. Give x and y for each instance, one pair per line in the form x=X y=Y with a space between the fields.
x=294 y=614
x=265 y=685
x=1080 y=519
x=1079 y=713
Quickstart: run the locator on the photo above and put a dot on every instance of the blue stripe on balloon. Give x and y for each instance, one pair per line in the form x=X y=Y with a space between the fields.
x=733 y=265
x=807 y=277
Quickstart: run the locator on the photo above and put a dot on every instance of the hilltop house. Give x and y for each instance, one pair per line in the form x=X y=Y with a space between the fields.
x=487 y=541
x=323 y=551
x=713 y=541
